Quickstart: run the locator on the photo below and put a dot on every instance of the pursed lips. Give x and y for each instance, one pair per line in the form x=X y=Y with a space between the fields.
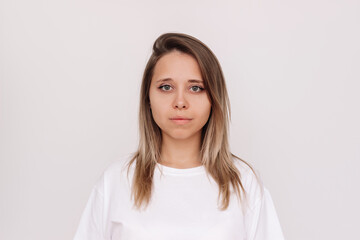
x=180 y=120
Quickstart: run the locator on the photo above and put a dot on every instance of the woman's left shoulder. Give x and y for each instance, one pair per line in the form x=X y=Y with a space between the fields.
x=250 y=179
x=260 y=215
x=246 y=170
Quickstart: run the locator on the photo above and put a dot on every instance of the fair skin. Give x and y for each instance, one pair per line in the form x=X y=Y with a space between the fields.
x=181 y=107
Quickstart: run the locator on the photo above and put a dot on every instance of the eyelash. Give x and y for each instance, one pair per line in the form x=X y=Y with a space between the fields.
x=165 y=85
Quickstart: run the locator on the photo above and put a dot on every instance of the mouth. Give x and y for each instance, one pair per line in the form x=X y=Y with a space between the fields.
x=180 y=120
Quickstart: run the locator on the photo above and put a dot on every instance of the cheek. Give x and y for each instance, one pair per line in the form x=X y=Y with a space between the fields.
x=203 y=110
x=206 y=113
x=158 y=112
x=154 y=105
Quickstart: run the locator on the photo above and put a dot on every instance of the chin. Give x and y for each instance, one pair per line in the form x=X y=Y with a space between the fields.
x=181 y=135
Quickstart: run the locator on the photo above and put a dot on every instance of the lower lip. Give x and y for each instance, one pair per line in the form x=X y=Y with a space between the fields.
x=180 y=121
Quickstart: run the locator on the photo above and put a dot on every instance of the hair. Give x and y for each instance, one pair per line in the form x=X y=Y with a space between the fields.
x=215 y=153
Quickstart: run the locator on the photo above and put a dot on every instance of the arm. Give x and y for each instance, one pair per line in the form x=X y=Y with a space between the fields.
x=90 y=226
x=262 y=221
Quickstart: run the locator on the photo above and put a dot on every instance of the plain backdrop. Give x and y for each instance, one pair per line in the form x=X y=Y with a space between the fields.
x=70 y=76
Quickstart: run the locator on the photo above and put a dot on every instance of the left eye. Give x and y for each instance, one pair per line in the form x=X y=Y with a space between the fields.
x=165 y=87
x=196 y=88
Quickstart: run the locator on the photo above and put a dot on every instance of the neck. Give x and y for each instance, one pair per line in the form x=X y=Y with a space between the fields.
x=181 y=153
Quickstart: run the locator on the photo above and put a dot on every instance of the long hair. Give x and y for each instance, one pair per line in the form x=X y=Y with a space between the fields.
x=215 y=153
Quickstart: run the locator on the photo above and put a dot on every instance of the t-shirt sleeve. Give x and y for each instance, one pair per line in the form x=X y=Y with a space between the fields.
x=262 y=221
x=90 y=226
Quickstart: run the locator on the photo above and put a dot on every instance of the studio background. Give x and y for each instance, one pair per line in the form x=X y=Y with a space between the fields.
x=70 y=74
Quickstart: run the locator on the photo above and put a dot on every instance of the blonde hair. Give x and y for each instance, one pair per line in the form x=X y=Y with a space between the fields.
x=215 y=154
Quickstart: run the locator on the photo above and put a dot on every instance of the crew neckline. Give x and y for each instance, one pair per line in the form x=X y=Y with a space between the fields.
x=181 y=171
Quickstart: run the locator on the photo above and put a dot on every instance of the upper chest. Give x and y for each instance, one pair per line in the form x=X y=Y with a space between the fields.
x=181 y=207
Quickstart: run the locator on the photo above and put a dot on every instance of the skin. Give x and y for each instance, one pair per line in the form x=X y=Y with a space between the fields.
x=177 y=90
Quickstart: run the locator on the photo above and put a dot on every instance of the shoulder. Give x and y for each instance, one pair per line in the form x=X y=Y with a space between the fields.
x=248 y=173
x=118 y=165
x=251 y=181
x=115 y=173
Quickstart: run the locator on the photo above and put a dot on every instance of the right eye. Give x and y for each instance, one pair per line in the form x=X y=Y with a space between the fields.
x=165 y=87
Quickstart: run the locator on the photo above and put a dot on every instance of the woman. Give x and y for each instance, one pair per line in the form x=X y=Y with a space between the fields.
x=183 y=182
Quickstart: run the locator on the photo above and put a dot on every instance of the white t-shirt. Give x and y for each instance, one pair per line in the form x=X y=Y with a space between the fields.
x=184 y=206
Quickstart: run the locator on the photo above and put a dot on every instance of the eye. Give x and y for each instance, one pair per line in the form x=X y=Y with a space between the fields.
x=196 y=88
x=165 y=87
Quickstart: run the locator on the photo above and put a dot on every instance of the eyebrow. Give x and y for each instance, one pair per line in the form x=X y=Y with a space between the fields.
x=170 y=79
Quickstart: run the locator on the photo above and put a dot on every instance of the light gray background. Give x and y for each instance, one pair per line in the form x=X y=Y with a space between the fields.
x=70 y=76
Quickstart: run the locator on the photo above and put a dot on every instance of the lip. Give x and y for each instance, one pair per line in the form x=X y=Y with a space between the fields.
x=180 y=120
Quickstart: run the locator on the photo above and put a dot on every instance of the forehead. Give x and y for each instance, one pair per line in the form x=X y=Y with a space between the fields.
x=177 y=65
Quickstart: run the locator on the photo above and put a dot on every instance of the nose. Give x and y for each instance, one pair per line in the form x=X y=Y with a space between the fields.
x=180 y=101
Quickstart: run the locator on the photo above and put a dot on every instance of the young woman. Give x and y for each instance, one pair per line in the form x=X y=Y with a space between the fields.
x=183 y=182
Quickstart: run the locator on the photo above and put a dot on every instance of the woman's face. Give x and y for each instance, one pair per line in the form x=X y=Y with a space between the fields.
x=179 y=103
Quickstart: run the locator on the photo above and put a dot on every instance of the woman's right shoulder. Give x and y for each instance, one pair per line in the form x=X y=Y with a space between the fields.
x=117 y=171
x=119 y=165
